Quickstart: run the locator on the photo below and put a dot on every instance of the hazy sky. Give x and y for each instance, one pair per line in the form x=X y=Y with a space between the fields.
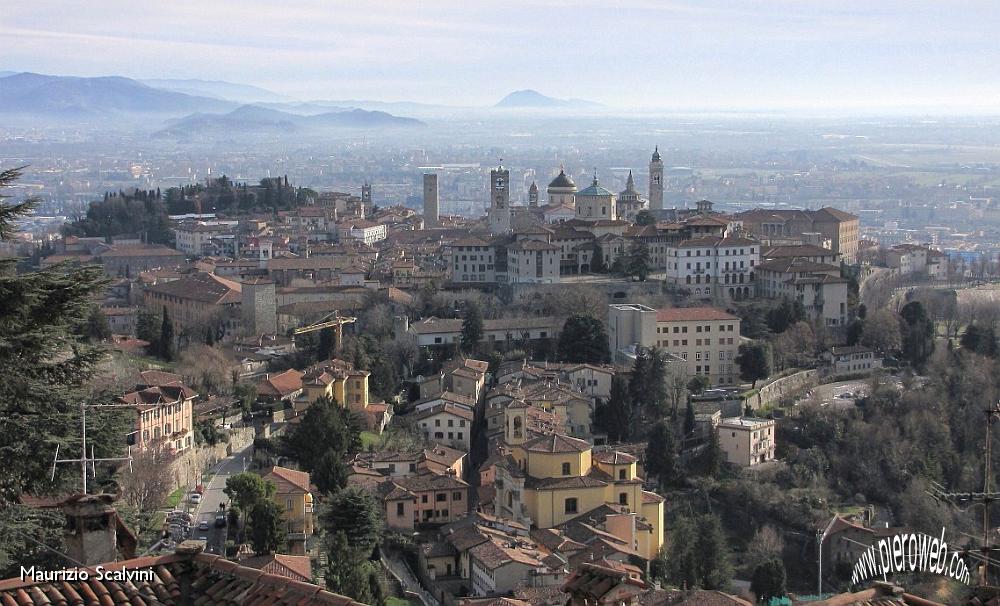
x=675 y=53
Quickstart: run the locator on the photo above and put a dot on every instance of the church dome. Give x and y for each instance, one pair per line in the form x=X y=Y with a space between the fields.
x=562 y=180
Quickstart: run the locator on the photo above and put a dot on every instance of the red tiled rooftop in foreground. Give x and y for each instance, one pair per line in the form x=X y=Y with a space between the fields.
x=181 y=578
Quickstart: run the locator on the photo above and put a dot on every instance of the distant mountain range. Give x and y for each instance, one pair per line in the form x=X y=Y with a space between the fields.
x=253 y=119
x=533 y=99
x=218 y=89
x=28 y=93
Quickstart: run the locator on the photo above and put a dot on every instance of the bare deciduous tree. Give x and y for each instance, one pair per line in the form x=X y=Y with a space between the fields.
x=148 y=484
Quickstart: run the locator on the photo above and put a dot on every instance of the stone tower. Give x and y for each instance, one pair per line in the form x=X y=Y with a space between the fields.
x=431 y=201
x=656 y=181
x=366 y=194
x=499 y=213
x=533 y=195
x=258 y=305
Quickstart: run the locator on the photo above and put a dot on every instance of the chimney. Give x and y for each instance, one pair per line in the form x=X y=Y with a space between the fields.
x=92 y=523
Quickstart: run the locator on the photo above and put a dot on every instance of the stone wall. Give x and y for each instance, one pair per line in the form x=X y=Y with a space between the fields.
x=775 y=391
x=186 y=469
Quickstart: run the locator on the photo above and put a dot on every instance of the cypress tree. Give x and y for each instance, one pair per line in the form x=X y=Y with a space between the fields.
x=166 y=337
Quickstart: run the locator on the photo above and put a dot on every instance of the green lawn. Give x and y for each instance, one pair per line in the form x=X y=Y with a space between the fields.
x=394 y=601
x=175 y=498
x=369 y=439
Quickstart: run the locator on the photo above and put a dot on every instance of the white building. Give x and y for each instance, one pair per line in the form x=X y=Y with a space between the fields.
x=361 y=230
x=533 y=261
x=714 y=265
x=446 y=424
x=747 y=441
x=851 y=359
x=471 y=260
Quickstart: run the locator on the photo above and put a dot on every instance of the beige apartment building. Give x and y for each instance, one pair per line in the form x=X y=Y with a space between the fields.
x=747 y=441
x=704 y=339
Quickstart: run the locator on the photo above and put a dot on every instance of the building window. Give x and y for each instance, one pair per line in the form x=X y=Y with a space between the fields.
x=623 y=498
x=565 y=469
x=399 y=509
x=571 y=505
x=621 y=474
x=441 y=497
x=456 y=496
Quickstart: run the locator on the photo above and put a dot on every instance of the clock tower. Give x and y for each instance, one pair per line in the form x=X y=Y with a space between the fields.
x=499 y=213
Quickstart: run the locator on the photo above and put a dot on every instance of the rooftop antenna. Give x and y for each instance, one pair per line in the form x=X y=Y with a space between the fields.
x=84 y=460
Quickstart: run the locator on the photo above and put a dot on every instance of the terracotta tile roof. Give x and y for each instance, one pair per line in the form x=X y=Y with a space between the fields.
x=182 y=578
x=155 y=396
x=557 y=443
x=291 y=477
x=563 y=483
x=614 y=457
x=152 y=378
x=294 y=567
x=281 y=384
x=692 y=314
x=592 y=582
x=203 y=287
x=446 y=408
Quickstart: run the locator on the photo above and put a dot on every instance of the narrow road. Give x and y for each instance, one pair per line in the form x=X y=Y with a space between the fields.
x=214 y=496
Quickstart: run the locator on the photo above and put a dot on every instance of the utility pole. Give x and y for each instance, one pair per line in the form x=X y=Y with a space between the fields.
x=984 y=498
x=84 y=459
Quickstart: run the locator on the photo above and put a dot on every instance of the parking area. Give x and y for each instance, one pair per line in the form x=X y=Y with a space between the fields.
x=837 y=395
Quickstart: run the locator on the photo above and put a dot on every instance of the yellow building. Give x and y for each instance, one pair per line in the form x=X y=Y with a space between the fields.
x=338 y=380
x=294 y=495
x=548 y=480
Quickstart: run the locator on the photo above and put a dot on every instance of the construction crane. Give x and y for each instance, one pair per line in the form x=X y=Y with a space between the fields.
x=331 y=320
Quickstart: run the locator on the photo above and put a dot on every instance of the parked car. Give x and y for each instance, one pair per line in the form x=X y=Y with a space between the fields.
x=220 y=521
x=195 y=498
x=203 y=525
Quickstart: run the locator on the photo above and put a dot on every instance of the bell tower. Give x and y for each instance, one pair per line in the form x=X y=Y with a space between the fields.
x=515 y=417
x=656 y=180
x=499 y=213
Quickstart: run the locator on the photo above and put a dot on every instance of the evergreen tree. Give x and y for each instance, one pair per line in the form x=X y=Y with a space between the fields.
x=714 y=571
x=46 y=366
x=769 y=580
x=637 y=263
x=167 y=347
x=977 y=339
x=614 y=416
x=711 y=457
x=98 y=328
x=472 y=327
x=210 y=337
x=689 y=419
x=583 y=339
x=917 y=332
x=756 y=361
x=247 y=489
x=682 y=569
x=661 y=458
x=331 y=473
x=145 y=327
x=326 y=427
x=267 y=528
x=354 y=512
